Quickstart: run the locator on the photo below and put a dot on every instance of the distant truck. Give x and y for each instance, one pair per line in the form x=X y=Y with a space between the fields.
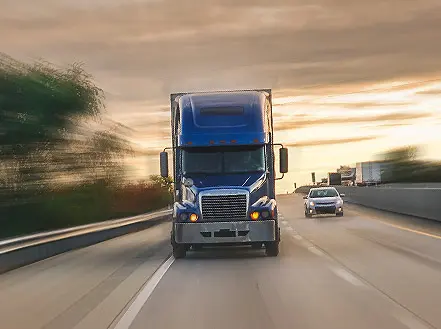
x=369 y=173
x=224 y=170
x=334 y=178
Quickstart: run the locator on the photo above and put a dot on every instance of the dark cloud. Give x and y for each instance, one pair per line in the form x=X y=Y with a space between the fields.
x=146 y=50
x=332 y=141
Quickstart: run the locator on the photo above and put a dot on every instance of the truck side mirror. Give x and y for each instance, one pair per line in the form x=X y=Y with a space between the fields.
x=163 y=158
x=283 y=157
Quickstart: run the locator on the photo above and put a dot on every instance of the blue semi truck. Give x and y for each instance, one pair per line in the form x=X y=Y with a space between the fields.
x=224 y=170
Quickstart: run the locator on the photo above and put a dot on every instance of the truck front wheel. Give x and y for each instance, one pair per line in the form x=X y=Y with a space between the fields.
x=272 y=248
x=179 y=250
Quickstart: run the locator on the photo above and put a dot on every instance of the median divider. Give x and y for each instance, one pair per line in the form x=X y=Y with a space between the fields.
x=422 y=202
x=29 y=249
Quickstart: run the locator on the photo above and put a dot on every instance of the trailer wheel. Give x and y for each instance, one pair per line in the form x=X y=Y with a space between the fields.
x=272 y=248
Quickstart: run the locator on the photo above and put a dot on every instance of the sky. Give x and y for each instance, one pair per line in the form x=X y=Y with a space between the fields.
x=350 y=78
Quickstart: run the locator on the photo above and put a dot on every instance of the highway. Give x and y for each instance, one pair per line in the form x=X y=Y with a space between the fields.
x=368 y=269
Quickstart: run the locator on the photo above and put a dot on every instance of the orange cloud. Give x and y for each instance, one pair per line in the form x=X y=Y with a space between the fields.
x=397 y=116
x=332 y=141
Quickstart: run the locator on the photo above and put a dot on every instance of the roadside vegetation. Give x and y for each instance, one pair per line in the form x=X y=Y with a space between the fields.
x=60 y=165
x=405 y=167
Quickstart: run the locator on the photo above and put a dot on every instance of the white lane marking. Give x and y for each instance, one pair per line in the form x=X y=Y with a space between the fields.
x=129 y=316
x=345 y=275
x=410 y=321
x=315 y=251
x=298 y=237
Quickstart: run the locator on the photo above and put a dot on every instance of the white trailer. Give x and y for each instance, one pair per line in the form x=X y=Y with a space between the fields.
x=368 y=173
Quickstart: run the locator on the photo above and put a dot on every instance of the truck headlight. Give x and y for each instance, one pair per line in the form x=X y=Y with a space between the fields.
x=183 y=216
x=265 y=214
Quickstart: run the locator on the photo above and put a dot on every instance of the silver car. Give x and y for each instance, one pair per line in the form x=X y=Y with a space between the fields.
x=323 y=200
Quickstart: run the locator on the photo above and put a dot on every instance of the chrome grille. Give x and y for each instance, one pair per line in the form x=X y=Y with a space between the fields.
x=224 y=207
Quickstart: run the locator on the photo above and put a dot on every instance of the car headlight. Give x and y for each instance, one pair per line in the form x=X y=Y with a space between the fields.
x=339 y=202
x=311 y=203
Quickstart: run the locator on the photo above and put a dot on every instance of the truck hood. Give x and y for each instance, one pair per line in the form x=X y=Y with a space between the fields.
x=239 y=180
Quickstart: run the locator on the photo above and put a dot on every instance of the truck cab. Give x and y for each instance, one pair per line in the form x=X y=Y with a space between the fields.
x=223 y=170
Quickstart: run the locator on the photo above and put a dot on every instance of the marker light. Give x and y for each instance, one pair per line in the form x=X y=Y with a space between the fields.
x=254 y=215
x=193 y=218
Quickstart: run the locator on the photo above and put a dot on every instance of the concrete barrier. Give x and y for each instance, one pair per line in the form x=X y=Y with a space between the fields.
x=412 y=201
x=27 y=251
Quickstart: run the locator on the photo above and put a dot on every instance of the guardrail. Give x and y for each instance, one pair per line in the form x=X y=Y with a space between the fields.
x=423 y=202
x=20 y=251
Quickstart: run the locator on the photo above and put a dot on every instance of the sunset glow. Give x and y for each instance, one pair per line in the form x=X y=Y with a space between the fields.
x=343 y=90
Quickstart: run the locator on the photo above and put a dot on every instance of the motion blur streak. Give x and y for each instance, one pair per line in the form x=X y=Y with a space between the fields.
x=61 y=164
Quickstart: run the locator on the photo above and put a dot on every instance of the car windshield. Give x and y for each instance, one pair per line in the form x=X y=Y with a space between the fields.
x=324 y=193
x=223 y=160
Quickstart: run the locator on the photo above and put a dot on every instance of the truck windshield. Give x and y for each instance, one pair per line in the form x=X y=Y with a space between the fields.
x=223 y=160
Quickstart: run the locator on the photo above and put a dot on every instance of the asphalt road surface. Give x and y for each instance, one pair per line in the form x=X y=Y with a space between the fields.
x=368 y=269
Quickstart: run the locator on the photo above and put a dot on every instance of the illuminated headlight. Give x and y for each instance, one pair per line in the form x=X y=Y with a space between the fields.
x=254 y=215
x=311 y=203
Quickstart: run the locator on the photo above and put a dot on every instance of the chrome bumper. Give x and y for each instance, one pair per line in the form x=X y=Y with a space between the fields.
x=225 y=232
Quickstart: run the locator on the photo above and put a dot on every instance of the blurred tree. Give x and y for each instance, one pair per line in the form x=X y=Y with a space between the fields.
x=402 y=154
x=39 y=108
x=344 y=170
x=55 y=169
x=163 y=182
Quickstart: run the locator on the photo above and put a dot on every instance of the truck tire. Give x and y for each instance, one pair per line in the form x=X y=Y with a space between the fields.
x=272 y=248
x=179 y=251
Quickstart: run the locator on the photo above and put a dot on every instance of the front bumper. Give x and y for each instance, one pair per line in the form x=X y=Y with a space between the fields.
x=328 y=209
x=225 y=232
